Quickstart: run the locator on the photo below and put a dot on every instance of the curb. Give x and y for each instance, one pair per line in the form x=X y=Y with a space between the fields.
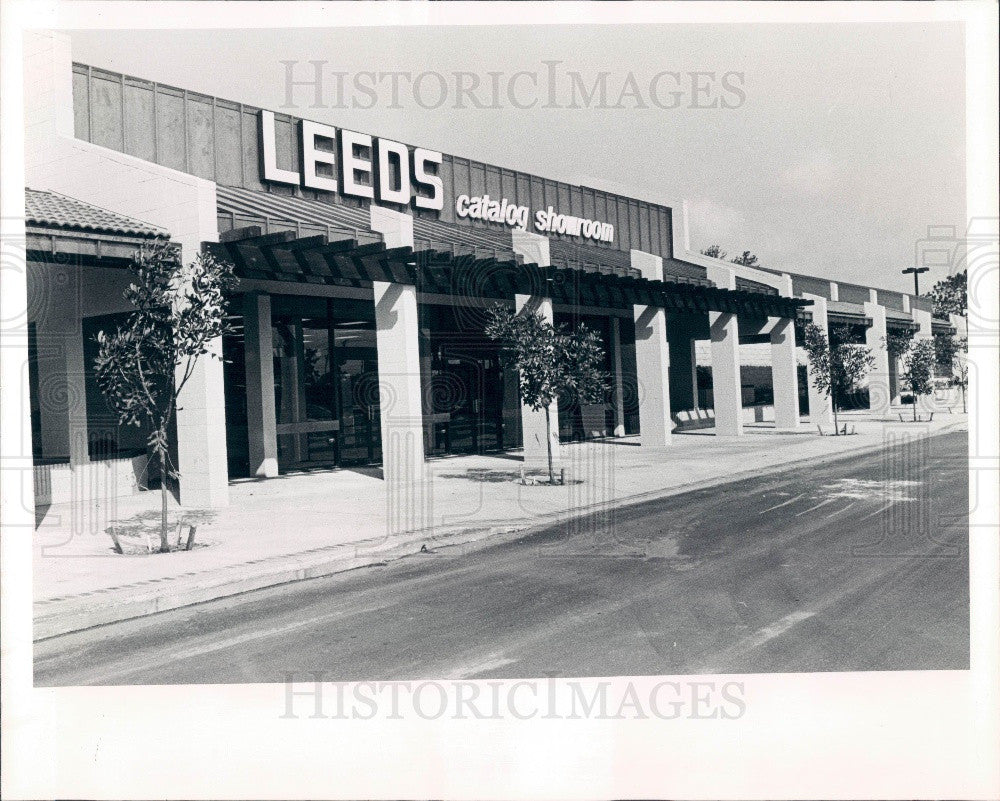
x=145 y=598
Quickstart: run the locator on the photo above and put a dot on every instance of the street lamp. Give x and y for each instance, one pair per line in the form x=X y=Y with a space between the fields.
x=916 y=277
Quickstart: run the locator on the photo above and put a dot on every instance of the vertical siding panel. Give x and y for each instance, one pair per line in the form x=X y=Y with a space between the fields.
x=106 y=111
x=523 y=184
x=654 y=230
x=200 y=137
x=251 y=153
x=170 y=128
x=228 y=152
x=139 y=122
x=492 y=181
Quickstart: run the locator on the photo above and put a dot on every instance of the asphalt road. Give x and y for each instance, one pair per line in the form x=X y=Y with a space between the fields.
x=860 y=564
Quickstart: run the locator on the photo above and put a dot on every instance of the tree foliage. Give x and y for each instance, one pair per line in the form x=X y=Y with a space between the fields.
x=144 y=364
x=837 y=370
x=950 y=295
x=897 y=344
x=747 y=259
x=947 y=347
x=715 y=252
x=551 y=362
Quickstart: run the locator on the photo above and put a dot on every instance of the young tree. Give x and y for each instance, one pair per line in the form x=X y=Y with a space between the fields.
x=550 y=361
x=950 y=295
x=918 y=370
x=836 y=370
x=714 y=251
x=143 y=366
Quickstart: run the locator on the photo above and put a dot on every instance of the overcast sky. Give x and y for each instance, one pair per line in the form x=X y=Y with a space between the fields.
x=842 y=143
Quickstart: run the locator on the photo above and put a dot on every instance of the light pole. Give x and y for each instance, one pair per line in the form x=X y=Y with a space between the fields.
x=916 y=277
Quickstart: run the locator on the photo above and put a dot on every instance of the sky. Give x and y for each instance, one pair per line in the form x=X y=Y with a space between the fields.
x=825 y=149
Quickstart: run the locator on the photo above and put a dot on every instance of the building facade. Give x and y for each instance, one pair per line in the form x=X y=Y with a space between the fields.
x=366 y=267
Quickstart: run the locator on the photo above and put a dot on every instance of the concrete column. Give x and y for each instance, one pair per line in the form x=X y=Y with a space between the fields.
x=879 y=395
x=820 y=405
x=725 y=338
x=396 y=228
x=259 y=359
x=726 y=388
x=533 y=429
x=201 y=434
x=834 y=291
x=784 y=374
x=534 y=248
x=62 y=386
x=397 y=334
x=652 y=361
x=618 y=389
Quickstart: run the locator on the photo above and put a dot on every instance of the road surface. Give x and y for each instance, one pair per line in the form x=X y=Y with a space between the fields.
x=860 y=564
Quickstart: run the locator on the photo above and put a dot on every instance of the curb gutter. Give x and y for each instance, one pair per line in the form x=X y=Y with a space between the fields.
x=100 y=608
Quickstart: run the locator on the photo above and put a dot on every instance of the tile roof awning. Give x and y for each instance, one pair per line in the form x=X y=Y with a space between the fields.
x=473 y=273
x=50 y=210
x=57 y=226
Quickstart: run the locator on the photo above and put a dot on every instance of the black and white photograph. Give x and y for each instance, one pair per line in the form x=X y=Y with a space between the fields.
x=521 y=400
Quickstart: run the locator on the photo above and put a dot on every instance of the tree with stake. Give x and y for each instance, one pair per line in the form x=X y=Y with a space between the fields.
x=550 y=362
x=144 y=365
x=918 y=370
x=836 y=371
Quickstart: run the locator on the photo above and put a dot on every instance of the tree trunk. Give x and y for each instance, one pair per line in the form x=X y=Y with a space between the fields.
x=836 y=423
x=964 y=409
x=548 y=445
x=164 y=544
x=914 y=407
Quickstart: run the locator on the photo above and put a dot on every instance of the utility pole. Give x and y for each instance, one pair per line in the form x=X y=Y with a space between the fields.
x=916 y=277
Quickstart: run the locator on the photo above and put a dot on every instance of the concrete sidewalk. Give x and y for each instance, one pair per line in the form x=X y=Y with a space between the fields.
x=309 y=525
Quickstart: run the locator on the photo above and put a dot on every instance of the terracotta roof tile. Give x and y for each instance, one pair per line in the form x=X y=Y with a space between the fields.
x=50 y=210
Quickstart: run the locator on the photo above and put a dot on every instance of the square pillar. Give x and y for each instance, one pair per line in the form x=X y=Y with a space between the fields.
x=259 y=359
x=652 y=361
x=726 y=388
x=784 y=374
x=396 y=228
x=724 y=333
x=397 y=334
x=533 y=429
x=820 y=406
x=533 y=248
x=617 y=389
x=201 y=434
x=879 y=395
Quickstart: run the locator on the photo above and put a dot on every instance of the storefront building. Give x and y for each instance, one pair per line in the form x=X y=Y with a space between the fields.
x=366 y=267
